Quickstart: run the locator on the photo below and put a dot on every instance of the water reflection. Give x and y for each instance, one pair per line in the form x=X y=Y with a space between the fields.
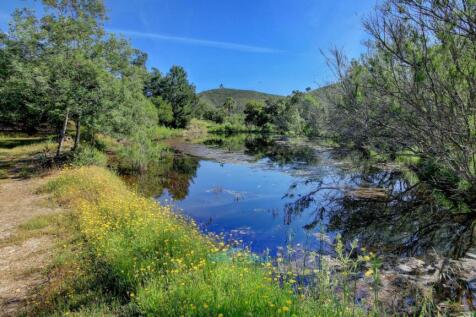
x=173 y=171
x=297 y=193
x=275 y=149
x=386 y=213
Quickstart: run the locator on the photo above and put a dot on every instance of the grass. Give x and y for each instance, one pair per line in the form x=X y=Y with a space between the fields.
x=87 y=155
x=199 y=128
x=11 y=141
x=36 y=227
x=133 y=255
x=408 y=158
x=36 y=223
x=27 y=150
x=22 y=156
x=166 y=132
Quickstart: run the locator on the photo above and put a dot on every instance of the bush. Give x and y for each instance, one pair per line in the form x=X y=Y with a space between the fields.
x=136 y=154
x=87 y=155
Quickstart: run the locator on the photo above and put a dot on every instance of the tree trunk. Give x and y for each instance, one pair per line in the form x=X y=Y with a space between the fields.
x=78 y=134
x=62 y=134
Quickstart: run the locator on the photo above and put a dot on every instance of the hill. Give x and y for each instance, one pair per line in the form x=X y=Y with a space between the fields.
x=217 y=97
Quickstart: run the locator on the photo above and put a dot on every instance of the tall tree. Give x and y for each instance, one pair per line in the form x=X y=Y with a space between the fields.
x=175 y=89
x=74 y=30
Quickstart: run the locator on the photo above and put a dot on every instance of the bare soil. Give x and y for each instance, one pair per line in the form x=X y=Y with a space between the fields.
x=23 y=258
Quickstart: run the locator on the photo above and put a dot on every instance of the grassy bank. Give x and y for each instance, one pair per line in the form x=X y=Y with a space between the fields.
x=133 y=256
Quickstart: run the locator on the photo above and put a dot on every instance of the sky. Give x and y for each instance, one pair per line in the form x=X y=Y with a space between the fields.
x=272 y=46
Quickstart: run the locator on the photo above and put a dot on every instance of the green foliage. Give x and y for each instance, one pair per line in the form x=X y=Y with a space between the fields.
x=255 y=114
x=36 y=223
x=165 y=132
x=164 y=110
x=64 y=67
x=297 y=114
x=178 y=94
x=87 y=155
x=414 y=90
x=229 y=105
x=139 y=151
x=229 y=128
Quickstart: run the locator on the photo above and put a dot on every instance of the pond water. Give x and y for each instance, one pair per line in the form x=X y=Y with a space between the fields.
x=269 y=193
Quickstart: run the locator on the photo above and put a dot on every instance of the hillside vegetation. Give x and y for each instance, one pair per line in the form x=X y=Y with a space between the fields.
x=217 y=97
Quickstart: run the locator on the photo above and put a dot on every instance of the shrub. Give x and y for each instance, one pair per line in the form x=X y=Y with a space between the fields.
x=87 y=155
x=139 y=151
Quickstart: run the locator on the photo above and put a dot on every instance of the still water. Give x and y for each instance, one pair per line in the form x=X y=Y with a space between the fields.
x=270 y=193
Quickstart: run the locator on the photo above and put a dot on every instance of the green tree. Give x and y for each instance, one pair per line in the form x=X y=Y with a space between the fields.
x=255 y=114
x=415 y=91
x=23 y=74
x=229 y=105
x=64 y=67
x=73 y=34
x=175 y=89
x=164 y=110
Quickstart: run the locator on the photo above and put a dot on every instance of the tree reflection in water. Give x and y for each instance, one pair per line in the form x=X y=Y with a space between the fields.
x=380 y=207
x=384 y=212
x=173 y=171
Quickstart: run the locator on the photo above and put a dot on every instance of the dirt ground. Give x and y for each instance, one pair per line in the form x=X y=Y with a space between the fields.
x=23 y=258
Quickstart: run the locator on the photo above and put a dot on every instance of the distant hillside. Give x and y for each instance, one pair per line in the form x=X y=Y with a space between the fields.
x=217 y=97
x=322 y=92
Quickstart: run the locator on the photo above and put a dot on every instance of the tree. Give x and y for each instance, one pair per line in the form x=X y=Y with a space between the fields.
x=152 y=85
x=164 y=110
x=415 y=90
x=175 y=89
x=255 y=114
x=64 y=67
x=229 y=105
x=73 y=33
x=23 y=74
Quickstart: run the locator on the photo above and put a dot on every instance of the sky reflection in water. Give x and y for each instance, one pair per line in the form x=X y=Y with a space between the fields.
x=272 y=194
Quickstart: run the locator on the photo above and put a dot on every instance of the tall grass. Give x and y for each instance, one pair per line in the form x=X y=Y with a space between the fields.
x=160 y=263
x=164 y=132
x=87 y=155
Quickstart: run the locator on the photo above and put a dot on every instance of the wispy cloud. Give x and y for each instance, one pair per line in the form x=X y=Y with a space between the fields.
x=200 y=42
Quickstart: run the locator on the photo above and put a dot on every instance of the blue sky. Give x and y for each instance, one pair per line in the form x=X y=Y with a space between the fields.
x=266 y=45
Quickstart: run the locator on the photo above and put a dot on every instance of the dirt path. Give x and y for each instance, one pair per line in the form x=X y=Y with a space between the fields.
x=23 y=257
